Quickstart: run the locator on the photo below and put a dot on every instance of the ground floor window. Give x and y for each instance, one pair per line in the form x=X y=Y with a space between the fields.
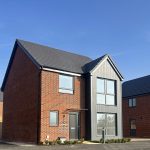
x=53 y=118
x=107 y=121
x=132 y=127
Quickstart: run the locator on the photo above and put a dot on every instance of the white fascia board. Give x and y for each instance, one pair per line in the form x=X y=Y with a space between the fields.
x=59 y=71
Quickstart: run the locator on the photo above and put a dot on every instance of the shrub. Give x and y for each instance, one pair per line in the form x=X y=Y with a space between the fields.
x=46 y=142
x=81 y=140
x=128 y=139
x=66 y=142
x=73 y=142
x=59 y=142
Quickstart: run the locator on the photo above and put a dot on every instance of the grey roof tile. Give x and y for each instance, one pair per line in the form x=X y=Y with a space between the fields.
x=89 y=66
x=54 y=58
x=137 y=86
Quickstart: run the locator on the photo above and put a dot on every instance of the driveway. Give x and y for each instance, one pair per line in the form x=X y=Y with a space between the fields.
x=126 y=146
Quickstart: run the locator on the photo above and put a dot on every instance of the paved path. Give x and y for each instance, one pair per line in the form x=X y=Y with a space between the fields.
x=125 y=146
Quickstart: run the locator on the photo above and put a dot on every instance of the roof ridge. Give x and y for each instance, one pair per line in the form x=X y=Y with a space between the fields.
x=137 y=78
x=57 y=49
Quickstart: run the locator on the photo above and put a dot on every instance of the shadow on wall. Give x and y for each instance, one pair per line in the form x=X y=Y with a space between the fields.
x=0 y=130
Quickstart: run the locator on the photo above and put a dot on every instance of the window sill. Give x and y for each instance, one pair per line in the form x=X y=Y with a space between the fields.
x=71 y=92
x=106 y=135
x=53 y=125
x=106 y=105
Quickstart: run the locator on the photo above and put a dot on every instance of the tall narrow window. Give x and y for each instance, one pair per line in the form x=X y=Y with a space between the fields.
x=100 y=86
x=106 y=91
x=110 y=87
x=132 y=127
x=111 y=124
x=66 y=84
x=53 y=118
x=100 y=123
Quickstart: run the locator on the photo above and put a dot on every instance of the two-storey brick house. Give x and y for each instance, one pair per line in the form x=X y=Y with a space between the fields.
x=50 y=93
x=136 y=108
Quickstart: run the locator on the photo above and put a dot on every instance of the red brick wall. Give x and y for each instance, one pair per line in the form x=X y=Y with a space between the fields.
x=20 y=100
x=1 y=117
x=51 y=99
x=1 y=110
x=142 y=115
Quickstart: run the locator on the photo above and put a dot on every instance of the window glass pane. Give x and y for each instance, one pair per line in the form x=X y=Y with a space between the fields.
x=111 y=124
x=134 y=102
x=110 y=87
x=110 y=100
x=133 y=124
x=100 y=99
x=53 y=118
x=100 y=86
x=65 y=82
x=130 y=102
x=100 y=123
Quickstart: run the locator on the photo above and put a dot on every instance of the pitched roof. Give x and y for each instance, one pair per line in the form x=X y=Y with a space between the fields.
x=1 y=95
x=54 y=58
x=137 y=86
x=47 y=57
x=92 y=64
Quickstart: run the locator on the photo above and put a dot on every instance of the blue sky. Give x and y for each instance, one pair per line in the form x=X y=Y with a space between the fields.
x=120 y=28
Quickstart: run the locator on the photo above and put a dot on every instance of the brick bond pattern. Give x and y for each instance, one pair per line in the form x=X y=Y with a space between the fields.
x=31 y=94
x=51 y=99
x=142 y=115
x=20 y=100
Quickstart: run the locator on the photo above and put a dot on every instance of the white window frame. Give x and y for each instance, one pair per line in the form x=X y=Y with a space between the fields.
x=57 y=118
x=66 y=90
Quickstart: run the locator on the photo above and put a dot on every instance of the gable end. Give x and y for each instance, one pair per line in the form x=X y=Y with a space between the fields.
x=107 y=58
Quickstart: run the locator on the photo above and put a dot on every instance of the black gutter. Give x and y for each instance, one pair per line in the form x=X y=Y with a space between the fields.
x=143 y=94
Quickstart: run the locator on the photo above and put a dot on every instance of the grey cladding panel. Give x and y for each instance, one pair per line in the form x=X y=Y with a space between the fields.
x=106 y=71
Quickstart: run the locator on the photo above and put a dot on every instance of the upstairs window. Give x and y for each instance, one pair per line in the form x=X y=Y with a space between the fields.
x=66 y=84
x=106 y=91
x=132 y=102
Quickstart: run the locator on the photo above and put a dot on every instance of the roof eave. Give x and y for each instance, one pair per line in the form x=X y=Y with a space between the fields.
x=60 y=71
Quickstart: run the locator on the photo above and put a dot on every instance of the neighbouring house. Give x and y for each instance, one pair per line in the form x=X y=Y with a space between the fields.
x=50 y=93
x=136 y=108
x=1 y=112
